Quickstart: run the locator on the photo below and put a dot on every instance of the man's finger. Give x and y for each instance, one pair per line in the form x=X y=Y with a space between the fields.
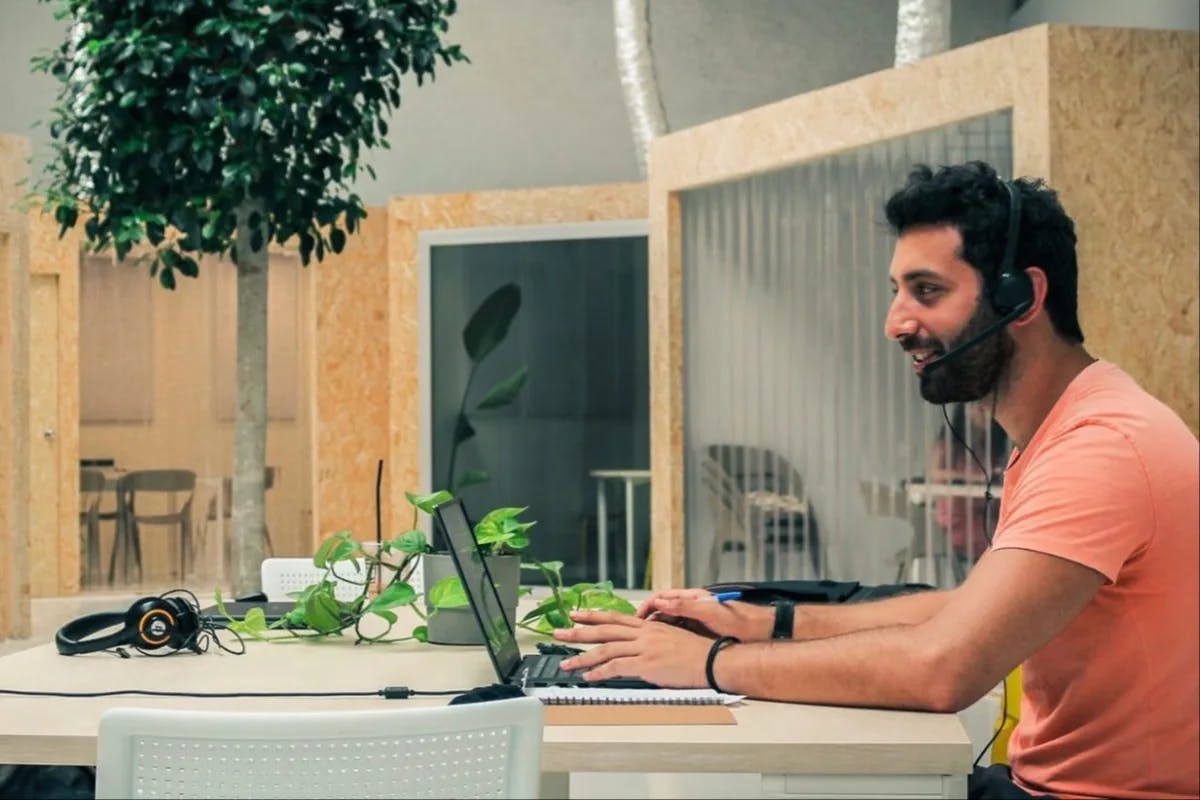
x=625 y=667
x=588 y=634
x=606 y=618
x=599 y=655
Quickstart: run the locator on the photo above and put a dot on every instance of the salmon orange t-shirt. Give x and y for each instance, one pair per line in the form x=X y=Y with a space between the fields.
x=1110 y=707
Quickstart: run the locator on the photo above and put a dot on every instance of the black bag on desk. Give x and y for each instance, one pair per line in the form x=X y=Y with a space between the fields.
x=825 y=591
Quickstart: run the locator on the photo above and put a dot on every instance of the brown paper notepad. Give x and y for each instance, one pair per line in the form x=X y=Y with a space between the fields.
x=639 y=715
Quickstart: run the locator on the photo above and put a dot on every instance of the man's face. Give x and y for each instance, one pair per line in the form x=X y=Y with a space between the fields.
x=938 y=304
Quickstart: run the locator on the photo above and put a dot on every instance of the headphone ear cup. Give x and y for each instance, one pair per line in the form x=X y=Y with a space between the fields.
x=153 y=622
x=187 y=621
x=1014 y=290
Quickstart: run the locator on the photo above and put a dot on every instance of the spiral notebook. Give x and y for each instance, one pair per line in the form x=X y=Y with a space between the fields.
x=569 y=696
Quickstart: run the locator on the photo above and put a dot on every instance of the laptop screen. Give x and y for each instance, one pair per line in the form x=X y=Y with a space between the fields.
x=480 y=588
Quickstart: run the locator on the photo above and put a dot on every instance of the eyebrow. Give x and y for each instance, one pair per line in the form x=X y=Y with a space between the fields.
x=918 y=274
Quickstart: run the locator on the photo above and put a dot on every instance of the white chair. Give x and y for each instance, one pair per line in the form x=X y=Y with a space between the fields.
x=282 y=575
x=474 y=750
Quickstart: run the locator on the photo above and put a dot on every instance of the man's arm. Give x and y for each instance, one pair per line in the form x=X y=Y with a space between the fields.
x=751 y=623
x=1013 y=602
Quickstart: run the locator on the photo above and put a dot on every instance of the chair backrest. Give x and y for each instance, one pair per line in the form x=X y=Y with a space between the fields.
x=91 y=480
x=157 y=480
x=269 y=474
x=283 y=575
x=472 y=750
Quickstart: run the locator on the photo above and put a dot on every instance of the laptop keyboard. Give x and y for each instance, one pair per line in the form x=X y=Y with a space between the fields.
x=546 y=668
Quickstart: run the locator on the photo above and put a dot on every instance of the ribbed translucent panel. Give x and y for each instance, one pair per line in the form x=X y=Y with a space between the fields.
x=808 y=446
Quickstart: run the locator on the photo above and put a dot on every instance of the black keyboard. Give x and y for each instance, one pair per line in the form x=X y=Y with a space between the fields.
x=546 y=669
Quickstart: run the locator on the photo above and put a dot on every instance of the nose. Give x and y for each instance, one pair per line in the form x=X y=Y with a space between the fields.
x=898 y=321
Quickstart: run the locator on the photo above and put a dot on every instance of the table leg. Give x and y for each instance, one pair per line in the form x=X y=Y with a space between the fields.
x=602 y=528
x=629 y=582
x=555 y=785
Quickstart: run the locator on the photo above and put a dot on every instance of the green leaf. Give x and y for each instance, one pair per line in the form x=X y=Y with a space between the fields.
x=421 y=633
x=504 y=392
x=427 y=502
x=470 y=478
x=397 y=593
x=390 y=616
x=337 y=240
x=489 y=324
x=321 y=611
x=321 y=557
x=462 y=430
x=448 y=593
x=411 y=542
x=167 y=278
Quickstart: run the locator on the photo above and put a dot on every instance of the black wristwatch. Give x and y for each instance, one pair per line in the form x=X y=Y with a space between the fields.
x=785 y=614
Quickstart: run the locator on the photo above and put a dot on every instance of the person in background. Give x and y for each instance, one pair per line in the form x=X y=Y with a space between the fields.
x=968 y=522
x=1092 y=580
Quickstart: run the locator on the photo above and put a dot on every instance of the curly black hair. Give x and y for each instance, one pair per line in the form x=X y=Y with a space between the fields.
x=971 y=197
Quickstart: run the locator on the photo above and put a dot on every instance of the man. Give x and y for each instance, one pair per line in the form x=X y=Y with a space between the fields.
x=1091 y=579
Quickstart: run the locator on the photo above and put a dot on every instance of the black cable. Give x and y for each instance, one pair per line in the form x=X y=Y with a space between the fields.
x=1004 y=720
x=388 y=692
x=987 y=473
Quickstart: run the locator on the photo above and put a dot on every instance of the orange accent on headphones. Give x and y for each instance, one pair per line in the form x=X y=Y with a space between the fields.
x=142 y=626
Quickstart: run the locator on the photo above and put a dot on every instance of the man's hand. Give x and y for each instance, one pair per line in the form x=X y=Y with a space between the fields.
x=636 y=648
x=698 y=611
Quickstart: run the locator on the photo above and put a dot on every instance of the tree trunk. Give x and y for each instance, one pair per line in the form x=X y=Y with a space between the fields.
x=250 y=428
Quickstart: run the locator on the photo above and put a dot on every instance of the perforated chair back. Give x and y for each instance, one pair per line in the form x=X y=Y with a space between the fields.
x=473 y=750
x=283 y=575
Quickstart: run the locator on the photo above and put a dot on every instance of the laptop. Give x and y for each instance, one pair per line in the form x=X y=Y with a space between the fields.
x=272 y=610
x=531 y=671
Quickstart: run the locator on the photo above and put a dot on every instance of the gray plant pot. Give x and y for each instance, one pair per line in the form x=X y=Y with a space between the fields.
x=458 y=625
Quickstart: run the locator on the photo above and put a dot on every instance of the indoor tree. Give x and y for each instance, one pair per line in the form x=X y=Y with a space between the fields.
x=191 y=127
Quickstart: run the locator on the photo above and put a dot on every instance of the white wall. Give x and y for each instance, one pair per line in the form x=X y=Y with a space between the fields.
x=541 y=103
x=1162 y=14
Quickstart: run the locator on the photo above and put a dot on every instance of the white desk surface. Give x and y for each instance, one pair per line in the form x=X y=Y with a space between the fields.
x=769 y=737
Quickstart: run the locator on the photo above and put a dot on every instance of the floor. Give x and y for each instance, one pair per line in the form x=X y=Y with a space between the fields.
x=49 y=614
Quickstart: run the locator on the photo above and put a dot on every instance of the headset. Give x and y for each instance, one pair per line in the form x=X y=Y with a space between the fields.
x=1010 y=290
x=151 y=623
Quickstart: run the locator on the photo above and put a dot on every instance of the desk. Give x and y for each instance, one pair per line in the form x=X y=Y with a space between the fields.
x=631 y=477
x=801 y=750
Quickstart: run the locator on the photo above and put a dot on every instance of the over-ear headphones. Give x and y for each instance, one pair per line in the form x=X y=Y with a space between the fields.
x=150 y=623
x=1011 y=289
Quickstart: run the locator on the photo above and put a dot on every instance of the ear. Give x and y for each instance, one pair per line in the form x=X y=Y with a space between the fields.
x=1037 y=278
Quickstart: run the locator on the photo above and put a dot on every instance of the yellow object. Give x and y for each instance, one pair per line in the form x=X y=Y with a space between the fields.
x=1009 y=715
x=648 y=580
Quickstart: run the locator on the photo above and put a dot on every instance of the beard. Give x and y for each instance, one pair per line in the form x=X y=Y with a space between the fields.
x=975 y=373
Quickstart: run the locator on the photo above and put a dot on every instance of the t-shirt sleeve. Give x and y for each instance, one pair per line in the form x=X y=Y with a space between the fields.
x=1085 y=498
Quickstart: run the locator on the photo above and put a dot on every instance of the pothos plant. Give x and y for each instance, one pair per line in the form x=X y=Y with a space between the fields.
x=318 y=611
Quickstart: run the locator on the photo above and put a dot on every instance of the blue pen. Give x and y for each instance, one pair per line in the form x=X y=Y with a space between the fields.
x=722 y=597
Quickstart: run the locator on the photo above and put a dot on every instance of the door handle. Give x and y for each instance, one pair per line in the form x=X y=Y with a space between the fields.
x=48 y=434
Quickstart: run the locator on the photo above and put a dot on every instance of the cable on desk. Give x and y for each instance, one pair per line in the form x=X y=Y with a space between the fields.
x=387 y=692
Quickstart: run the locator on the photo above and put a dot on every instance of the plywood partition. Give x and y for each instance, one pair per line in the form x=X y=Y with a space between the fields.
x=1107 y=116
x=14 y=392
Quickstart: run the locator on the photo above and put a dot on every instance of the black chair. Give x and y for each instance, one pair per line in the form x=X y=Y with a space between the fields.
x=148 y=482
x=91 y=488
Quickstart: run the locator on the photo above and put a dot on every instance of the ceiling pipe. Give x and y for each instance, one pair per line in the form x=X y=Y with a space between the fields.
x=922 y=29
x=647 y=118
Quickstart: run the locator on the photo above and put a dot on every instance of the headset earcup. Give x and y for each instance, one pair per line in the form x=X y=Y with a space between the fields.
x=1013 y=290
x=187 y=621
x=152 y=620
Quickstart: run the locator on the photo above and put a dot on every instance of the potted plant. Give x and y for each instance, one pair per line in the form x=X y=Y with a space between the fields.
x=344 y=559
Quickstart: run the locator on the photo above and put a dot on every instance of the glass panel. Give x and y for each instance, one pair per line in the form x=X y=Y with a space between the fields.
x=157 y=393
x=582 y=333
x=806 y=440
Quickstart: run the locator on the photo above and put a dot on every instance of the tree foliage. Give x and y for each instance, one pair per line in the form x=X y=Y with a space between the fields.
x=172 y=112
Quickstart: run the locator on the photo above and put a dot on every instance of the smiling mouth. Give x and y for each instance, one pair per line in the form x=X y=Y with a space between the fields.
x=921 y=357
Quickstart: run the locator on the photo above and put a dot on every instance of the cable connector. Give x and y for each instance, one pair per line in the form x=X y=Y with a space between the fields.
x=396 y=692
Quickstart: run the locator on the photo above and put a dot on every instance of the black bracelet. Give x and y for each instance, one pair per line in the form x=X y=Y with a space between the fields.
x=712 y=656
x=785 y=616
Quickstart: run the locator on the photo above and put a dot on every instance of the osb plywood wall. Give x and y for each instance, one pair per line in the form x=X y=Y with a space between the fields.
x=351 y=380
x=1123 y=139
x=14 y=388
x=1108 y=116
x=54 y=406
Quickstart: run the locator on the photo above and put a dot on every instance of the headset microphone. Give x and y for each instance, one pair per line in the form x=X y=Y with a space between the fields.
x=994 y=328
